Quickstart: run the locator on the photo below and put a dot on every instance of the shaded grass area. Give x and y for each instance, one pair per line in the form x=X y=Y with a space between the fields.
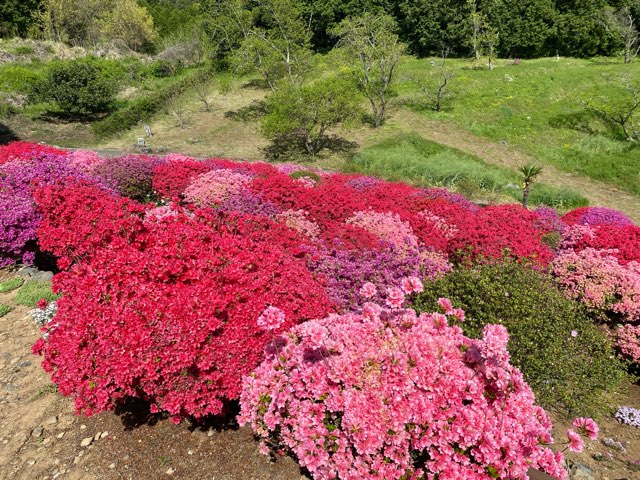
x=535 y=106
x=408 y=157
x=32 y=292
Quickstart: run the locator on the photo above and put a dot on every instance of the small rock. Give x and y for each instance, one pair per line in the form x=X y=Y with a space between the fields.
x=210 y=433
x=582 y=472
x=171 y=471
x=190 y=452
x=27 y=272
x=112 y=466
x=60 y=435
x=31 y=462
x=46 y=441
x=104 y=434
x=86 y=442
x=37 y=432
x=51 y=420
x=97 y=436
x=43 y=276
x=82 y=427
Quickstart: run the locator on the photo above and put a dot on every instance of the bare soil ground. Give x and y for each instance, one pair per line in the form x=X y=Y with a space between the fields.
x=42 y=439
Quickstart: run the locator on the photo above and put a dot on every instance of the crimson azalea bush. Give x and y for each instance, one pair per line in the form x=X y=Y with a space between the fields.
x=387 y=394
x=172 y=177
x=25 y=150
x=19 y=218
x=181 y=297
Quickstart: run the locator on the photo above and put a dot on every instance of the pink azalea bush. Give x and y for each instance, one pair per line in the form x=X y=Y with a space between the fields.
x=388 y=226
x=386 y=394
x=212 y=188
x=596 y=278
x=628 y=341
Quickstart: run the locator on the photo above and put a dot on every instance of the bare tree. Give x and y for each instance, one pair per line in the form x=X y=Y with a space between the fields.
x=435 y=87
x=201 y=92
x=622 y=25
x=619 y=108
x=178 y=110
x=489 y=39
x=373 y=50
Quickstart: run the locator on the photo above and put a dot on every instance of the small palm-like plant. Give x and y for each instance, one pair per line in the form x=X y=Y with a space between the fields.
x=529 y=173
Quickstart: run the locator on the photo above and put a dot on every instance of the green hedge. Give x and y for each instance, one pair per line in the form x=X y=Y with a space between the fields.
x=143 y=108
x=570 y=374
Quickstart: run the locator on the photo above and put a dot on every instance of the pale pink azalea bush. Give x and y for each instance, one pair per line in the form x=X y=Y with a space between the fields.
x=628 y=341
x=386 y=394
x=298 y=220
x=596 y=278
x=212 y=188
x=387 y=226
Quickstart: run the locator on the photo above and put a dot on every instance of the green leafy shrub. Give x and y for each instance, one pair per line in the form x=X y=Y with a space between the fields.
x=11 y=284
x=306 y=174
x=32 y=291
x=303 y=116
x=4 y=309
x=142 y=108
x=568 y=362
x=78 y=88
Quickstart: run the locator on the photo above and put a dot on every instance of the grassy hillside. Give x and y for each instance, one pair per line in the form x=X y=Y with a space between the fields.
x=536 y=107
x=519 y=112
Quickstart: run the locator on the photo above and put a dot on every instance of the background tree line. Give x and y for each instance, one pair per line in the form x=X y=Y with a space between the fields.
x=523 y=28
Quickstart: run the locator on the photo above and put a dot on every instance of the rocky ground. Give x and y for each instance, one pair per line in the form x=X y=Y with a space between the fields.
x=41 y=438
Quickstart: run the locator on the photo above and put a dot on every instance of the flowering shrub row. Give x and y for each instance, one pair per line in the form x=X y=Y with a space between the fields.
x=192 y=269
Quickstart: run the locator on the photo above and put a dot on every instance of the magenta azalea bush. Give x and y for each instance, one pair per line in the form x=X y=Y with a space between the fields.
x=386 y=394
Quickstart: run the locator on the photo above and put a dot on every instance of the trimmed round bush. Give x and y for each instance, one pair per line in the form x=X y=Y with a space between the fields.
x=130 y=175
x=78 y=88
x=567 y=361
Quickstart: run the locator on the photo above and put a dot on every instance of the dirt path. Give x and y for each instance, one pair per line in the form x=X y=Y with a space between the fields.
x=598 y=193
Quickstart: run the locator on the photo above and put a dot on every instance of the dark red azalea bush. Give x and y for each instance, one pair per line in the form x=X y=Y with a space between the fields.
x=130 y=175
x=174 y=310
x=173 y=177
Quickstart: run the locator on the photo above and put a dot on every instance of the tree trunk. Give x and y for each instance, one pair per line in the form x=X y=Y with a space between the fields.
x=525 y=194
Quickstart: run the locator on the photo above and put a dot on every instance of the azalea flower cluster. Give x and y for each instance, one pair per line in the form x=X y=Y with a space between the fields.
x=19 y=217
x=387 y=394
x=189 y=298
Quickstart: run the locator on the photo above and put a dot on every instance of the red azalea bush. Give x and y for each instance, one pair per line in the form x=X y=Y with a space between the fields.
x=499 y=231
x=181 y=297
x=79 y=218
x=172 y=177
x=625 y=239
x=26 y=150
x=387 y=394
